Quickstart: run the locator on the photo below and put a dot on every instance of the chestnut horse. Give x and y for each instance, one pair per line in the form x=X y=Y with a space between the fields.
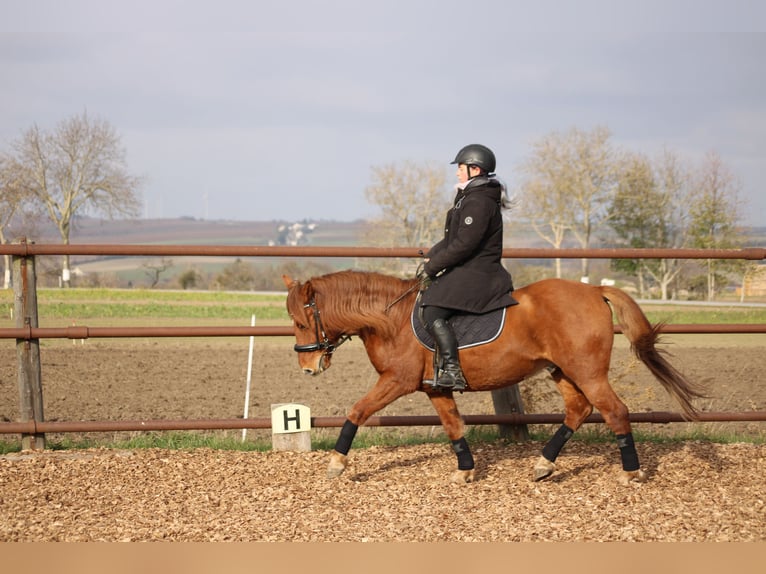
x=559 y=325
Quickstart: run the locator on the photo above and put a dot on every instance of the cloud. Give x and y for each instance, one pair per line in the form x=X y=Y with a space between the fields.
x=276 y=107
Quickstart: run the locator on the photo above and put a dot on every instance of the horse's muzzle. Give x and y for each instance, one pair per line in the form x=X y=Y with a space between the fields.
x=315 y=366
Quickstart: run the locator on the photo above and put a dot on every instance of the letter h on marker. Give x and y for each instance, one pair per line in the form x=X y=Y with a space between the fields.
x=296 y=419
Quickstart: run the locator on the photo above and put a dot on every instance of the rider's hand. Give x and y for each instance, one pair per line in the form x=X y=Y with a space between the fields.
x=424 y=279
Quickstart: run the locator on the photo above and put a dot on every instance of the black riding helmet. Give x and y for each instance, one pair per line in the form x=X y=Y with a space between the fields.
x=478 y=155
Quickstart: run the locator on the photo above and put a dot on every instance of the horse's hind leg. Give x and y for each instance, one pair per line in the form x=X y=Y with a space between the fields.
x=445 y=406
x=577 y=408
x=617 y=418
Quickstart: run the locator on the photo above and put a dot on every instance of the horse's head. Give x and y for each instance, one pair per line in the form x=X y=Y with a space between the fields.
x=312 y=343
x=329 y=309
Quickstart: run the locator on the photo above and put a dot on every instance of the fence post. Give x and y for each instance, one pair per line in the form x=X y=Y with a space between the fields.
x=508 y=401
x=28 y=350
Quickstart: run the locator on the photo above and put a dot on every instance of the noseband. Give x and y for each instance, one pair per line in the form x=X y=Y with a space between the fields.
x=323 y=342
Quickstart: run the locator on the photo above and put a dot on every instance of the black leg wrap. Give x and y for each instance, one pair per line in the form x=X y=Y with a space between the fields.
x=347 y=434
x=463 y=452
x=628 y=452
x=553 y=447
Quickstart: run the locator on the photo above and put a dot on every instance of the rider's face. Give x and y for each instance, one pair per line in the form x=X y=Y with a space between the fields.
x=462 y=173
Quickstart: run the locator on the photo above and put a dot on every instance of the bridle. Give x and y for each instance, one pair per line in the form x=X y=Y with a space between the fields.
x=323 y=342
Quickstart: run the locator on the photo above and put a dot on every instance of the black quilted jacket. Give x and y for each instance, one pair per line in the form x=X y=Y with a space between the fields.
x=465 y=266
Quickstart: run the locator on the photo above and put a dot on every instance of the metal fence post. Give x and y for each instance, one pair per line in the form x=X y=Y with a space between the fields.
x=28 y=350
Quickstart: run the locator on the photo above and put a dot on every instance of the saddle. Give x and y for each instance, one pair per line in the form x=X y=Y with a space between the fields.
x=470 y=329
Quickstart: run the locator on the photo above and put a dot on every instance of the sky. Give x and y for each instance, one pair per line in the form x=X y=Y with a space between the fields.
x=252 y=110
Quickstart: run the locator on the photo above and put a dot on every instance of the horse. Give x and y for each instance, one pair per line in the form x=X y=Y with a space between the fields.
x=560 y=325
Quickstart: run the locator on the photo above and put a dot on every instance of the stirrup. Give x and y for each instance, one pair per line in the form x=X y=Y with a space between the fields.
x=450 y=379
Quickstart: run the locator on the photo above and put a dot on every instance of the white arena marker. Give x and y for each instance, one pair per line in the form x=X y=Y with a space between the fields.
x=291 y=427
x=249 y=376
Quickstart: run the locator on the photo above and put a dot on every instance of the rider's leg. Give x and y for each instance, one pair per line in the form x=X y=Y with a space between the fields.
x=436 y=320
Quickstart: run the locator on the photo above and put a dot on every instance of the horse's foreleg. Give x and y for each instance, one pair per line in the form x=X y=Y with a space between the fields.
x=385 y=391
x=339 y=456
x=577 y=408
x=445 y=406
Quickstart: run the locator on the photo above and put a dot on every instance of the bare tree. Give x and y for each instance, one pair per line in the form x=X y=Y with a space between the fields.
x=10 y=202
x=595 y=171
x=154 y=269
x=571 y=179
x=546 y=195
x=77 y=168
x=715 y=216
x=413 y=200
x=15 y=209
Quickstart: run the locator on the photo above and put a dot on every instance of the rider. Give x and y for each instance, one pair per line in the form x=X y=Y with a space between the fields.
x=464 y=268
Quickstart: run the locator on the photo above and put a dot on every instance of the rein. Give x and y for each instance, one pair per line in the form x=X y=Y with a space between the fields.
x=400 y=297
x=421 y=284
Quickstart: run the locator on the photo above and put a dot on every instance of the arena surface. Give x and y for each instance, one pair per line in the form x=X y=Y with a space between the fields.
x=696 y=490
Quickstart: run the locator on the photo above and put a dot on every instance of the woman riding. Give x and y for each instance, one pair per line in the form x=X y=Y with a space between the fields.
x=464 y=269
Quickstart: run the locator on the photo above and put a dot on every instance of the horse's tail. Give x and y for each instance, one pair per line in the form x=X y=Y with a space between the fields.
x=643 y=337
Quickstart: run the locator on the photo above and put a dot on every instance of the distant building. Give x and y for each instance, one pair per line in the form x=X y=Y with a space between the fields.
x=293 y=234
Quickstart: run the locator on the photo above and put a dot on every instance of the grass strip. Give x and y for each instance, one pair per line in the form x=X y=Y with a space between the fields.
x=367 y=438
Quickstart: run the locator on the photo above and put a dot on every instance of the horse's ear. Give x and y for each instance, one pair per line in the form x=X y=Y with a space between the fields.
x=289 y=282
x=308 y=290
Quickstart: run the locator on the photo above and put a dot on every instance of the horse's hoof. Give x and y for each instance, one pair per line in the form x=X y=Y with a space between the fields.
x=628 y=476
x=463 y=476
x=543 y=468
x=338 y=463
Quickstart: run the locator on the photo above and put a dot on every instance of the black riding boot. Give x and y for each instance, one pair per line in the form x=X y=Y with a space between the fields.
x=451 y=375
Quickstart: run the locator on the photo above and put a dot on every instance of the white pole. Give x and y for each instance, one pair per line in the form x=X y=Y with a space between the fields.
x=249 y=373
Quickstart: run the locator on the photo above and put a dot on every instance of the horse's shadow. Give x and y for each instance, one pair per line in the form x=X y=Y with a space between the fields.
x=403 y=462
x=489 y=464
x=704 y=453
x=569 y=466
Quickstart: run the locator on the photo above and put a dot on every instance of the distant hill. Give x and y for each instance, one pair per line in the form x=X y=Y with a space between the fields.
x=189 y=231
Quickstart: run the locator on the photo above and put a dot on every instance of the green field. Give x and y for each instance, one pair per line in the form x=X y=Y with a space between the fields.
x=58 y=305
x=87 y=304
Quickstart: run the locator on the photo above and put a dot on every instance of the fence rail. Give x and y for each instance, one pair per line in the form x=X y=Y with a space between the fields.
x=27 y=332
x=27 y=249
x=84 y=332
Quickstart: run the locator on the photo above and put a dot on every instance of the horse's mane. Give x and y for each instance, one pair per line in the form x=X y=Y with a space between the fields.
x=354 y=301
